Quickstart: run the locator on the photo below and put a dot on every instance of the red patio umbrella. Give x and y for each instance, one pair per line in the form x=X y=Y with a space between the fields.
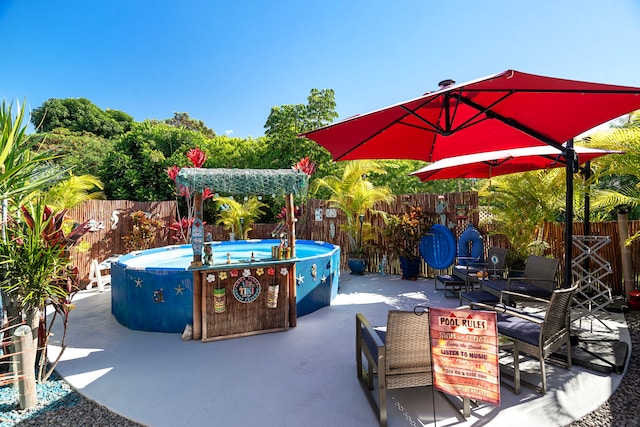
x=507 y=110
x=503 y=162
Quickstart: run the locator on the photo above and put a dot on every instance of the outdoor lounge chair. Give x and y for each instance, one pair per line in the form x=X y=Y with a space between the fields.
x=464 y=276
x=536 y=334
x=401 y=355
x=537 y=280
x=469 y=271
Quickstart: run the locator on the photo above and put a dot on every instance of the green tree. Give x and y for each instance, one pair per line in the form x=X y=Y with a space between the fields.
x=399 y=181
x=136 y=169
x=287 y=121
x=182 y=120
x=80 y=114
x=80 y=151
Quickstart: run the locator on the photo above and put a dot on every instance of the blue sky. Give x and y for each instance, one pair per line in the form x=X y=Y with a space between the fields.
x=228 y=63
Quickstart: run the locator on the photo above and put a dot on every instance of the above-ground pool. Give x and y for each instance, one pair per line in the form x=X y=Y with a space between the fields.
x=152 y=290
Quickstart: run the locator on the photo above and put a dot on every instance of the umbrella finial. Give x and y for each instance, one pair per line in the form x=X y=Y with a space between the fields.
x=446 y=83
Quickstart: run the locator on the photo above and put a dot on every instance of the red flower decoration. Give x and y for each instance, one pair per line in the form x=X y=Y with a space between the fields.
x=234 y=273
x=197 y=157
x=271 y=271
x=173 y=172
x=206 y=194
x=306 y=166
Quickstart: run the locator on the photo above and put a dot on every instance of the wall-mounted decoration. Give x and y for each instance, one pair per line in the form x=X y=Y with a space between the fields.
x=332 y=229
x=272 y=296
x=115 y=217
x=219 y=300
x=331 y=212
x=94 y=225
x=318 y=214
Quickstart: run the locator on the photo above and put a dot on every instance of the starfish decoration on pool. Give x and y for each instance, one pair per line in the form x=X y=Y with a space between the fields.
x=138 y=282
x=323 y=279
x=179 y=290
x=300 y=279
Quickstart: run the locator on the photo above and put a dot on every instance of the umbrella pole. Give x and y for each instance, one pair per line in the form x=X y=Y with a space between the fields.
x=569 y=154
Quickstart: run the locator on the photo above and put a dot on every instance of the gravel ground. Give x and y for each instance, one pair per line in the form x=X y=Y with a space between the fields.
x=59 y=405
x=622 y=409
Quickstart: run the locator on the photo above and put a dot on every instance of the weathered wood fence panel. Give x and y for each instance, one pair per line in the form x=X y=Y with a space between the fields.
x=554 y=236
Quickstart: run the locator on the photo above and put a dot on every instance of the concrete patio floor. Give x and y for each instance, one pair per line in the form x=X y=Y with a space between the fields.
x=305 y=376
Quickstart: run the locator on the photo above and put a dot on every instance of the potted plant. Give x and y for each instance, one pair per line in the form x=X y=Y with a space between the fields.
x=356 y=196
x=403 y=233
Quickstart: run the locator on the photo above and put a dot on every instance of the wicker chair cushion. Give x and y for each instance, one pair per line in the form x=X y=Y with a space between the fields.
x=520 y=329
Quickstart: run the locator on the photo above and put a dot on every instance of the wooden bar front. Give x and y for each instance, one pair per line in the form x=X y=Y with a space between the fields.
x=246 y=297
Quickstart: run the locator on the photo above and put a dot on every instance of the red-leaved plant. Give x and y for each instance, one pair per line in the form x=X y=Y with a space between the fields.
x=182 y=227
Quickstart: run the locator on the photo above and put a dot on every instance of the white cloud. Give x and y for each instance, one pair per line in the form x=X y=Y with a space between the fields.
x=228 y=132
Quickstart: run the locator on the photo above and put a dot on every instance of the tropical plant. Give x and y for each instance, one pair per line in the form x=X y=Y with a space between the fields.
x=35 y=261
x=616 y=179
x=356 y=197
x=403 y=232
x=238 y=217
x=519 y=205
x=22 y=167
x=182 y=226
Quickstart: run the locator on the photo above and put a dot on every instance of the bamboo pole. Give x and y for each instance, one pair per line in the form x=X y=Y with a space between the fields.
x=291 y=225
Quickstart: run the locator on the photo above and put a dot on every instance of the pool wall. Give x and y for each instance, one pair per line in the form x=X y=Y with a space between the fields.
x=159 y=297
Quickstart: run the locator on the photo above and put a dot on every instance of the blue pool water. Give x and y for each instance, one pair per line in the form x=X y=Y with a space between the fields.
x=152 y=290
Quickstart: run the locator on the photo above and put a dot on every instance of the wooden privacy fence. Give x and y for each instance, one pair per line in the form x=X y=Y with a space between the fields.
x=554 y=236
x=113 y=219
x=318 y=223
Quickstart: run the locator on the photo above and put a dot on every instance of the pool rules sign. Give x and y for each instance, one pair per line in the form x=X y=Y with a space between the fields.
x=464 y=347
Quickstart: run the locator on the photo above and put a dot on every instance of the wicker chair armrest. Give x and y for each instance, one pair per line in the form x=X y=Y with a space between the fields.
x=363 y=326
x=504 y=309
x=522 y=296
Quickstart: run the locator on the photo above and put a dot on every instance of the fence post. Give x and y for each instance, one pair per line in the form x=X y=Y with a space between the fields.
x=25 y=358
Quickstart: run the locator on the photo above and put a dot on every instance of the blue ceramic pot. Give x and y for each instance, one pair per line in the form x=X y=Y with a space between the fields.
x=357 y=265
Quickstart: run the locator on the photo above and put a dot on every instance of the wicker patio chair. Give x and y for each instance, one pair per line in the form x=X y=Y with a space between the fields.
x=401 y=355
x=536 y=334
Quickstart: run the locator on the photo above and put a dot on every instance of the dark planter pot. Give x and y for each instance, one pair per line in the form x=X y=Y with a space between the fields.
x=357 y=265
x=410 y=268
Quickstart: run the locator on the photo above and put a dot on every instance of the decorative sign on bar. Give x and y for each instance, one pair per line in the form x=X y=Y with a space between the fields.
x=464 y=347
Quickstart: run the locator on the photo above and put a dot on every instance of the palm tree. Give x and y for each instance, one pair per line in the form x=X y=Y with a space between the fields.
x=620 y=173
x=356 y=196
x=520 y=204
x=238 y=217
